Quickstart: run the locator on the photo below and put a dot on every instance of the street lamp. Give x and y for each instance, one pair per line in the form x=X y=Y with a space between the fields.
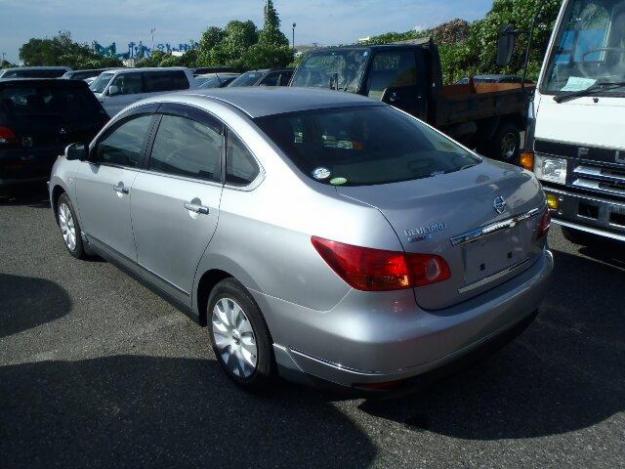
x=294 y=24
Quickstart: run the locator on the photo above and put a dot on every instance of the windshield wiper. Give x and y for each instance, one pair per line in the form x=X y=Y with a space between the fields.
x=599 y=86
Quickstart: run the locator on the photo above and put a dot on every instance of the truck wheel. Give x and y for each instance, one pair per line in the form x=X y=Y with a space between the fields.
x=506 y=145
x=580 y=237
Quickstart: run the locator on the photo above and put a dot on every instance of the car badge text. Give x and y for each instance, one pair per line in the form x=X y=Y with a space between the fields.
x=422 y=233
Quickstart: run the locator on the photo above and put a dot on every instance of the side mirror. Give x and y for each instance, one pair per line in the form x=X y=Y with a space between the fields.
x=77 y=151
x=113 y=90
x=505 y=46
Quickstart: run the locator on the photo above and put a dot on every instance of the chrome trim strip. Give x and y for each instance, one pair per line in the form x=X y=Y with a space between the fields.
x=487 y=230
x=596 y=185
x=583 y=196
x=587 y=229
x=491 y=278
x=598 y=171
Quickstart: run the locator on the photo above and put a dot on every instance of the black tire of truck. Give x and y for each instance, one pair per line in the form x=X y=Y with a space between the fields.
x=506 y=144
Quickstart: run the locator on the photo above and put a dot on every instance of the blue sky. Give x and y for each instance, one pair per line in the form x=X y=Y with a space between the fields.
x=322 y=21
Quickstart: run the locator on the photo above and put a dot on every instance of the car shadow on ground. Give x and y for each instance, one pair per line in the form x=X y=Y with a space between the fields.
x=31 y=196
x=138 y=411
x=565 y=373
x=27 y=302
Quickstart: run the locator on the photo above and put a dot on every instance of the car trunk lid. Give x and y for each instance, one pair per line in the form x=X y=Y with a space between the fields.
x=457 y=216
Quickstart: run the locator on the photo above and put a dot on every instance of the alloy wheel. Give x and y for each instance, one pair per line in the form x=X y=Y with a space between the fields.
x=68 y=227
x=234 y=338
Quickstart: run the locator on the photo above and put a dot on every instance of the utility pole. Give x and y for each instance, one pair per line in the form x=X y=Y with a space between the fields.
x=152 y=31
x=294 y=25
x=3 y=56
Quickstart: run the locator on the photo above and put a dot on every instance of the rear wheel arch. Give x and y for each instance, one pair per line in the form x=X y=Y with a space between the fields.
x=205 y=286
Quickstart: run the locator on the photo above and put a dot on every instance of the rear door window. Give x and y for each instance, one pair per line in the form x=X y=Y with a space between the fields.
x=128 y=83
x=273 y=79
x=165 y=81
x=185 y=147
x=241 y=167
x=126 y=144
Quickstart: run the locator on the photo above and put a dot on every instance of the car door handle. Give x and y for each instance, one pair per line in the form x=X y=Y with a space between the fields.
x=121 y=189
x=201 y=209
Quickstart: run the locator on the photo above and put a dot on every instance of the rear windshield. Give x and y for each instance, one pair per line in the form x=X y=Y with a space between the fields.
x=64 y=103
x=247 y=79
x=99 y=85
x=43 y=73
x=364 y=146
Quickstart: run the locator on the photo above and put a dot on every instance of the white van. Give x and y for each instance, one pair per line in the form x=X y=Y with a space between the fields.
x=116 y=89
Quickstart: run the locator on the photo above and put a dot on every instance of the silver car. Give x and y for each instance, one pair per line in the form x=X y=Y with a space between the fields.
x=317 y=233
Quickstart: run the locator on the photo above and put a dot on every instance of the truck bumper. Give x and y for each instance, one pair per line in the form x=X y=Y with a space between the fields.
x=591 y=214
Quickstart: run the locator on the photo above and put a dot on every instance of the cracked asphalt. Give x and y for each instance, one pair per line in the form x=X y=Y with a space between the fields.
x=98 y=371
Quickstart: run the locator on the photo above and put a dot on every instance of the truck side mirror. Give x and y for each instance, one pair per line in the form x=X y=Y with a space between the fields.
x=113 y=90
x=77 y=151
x=505 y=46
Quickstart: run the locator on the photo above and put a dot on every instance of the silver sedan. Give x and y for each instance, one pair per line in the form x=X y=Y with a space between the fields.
x=316 y=233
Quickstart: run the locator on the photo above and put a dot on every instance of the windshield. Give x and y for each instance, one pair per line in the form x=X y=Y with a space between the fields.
x=247 y=79
x=337 y=69
x=210 y=82
x=99 y=85
x=590 y=47
x=364 y=146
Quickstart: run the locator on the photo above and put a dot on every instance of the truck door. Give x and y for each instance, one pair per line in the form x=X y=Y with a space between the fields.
x=399 y=77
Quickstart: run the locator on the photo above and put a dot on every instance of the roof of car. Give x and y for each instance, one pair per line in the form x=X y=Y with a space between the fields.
x=267 y=101
x=149 y=69
x=41 y=81
x=43 y=67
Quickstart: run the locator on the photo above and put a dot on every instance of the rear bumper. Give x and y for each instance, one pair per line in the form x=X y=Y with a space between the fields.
x=591 y=214
x=21 y=166
x=352 y=349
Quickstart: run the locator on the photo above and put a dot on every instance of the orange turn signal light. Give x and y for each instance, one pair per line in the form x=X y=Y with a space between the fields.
x=527 y=160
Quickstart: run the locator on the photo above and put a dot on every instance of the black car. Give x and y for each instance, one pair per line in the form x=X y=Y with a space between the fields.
x=38 y=119
x=265 y=77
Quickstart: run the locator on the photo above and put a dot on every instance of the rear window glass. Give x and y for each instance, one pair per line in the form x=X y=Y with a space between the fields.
x=44 y=73
x=165 y=81
x=65 y=103
x=364 y=146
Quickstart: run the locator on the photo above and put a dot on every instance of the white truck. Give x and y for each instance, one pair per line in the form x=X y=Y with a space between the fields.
x=576 y=135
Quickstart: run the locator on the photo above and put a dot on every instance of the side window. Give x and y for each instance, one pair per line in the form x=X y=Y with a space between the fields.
x=185 y=147
x=124 y=146
x=165 y=81
x=241 y=168
x=272 y=79
x=128 y=83
x=391 y=70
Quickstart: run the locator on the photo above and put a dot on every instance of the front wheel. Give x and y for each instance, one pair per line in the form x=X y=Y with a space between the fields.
x=239 y=336
x=506 y=144
x=70 y=228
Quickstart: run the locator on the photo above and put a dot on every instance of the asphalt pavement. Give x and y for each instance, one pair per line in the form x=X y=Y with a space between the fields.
x=98 y=371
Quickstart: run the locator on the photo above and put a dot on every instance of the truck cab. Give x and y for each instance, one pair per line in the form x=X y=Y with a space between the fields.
x=576 y=139
x=486 y=116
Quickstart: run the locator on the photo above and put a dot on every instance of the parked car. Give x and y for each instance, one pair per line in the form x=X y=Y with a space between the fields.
x=215 y=80
x=493 y=79
x=38 y=119
x=33 y=72
x=84 y=74
x=355 y=243
x=116 y=89
x=266 y=77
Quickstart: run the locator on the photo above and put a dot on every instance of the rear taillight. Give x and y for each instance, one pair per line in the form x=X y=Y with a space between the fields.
x=544 y=225
x=369 y=269
x=7 y=136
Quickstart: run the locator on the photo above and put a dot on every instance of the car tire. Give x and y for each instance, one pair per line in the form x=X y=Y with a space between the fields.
x=70 y=228
x=506 y=144
x=239 y=336
x=581 y=237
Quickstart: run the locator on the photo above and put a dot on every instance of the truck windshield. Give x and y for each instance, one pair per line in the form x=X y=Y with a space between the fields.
x=589 y=49
x=341 y=69
x=364 y=145
x=99 y=85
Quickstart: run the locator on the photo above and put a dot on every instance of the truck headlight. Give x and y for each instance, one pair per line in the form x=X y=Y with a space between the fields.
x=550 y=169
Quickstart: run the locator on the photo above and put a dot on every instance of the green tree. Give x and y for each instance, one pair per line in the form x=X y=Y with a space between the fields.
x=210 y=39
x=62 y=50
x=271 y=33
x=267 y=56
